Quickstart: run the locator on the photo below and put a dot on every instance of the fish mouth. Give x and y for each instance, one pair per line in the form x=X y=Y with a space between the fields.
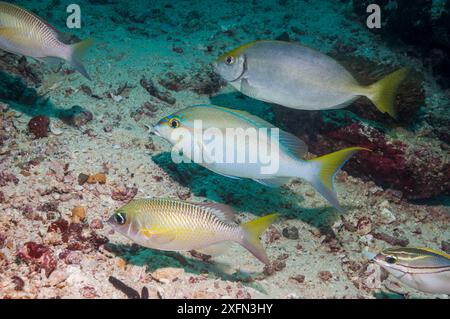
x=155 y=130
x=369 y=254
x=110 y=221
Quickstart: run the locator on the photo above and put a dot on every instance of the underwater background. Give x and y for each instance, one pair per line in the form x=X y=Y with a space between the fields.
x=72 y=151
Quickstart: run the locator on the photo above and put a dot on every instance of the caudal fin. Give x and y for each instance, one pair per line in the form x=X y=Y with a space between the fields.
x=252 y=231
x=326 y=168
x=78 y=50
x=383 y=92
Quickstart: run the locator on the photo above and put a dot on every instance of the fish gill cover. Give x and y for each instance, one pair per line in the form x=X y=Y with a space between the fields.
x=74 y=151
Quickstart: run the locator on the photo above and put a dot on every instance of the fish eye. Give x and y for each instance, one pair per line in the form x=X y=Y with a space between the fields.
x=390 y=259
x=229 y=60
x=174 y=123
x=120 y=218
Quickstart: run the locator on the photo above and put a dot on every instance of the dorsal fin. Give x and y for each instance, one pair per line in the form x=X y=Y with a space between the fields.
x=20 y=12
x=224 y=212
x=436 y=252
x=292 y=144
x=287 y=141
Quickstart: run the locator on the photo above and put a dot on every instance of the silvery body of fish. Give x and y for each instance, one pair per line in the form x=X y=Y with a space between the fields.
x=174 y=225
x=289 y=149
x=22 y=32
x=300 y=77
x=423 y=269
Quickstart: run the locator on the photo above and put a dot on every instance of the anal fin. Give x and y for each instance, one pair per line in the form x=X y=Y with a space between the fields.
x=214 y=250
x=274 y=182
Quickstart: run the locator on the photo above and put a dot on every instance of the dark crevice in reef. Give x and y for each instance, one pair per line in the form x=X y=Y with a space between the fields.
x=414 y=23
x=23 y=98
x=425 y=29
x=18 y=82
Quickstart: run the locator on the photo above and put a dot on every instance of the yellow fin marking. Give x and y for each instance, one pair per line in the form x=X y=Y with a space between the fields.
x=253 y=230
x=440 y=253
x=384 y=91
x=331 y=163
x=234 y=53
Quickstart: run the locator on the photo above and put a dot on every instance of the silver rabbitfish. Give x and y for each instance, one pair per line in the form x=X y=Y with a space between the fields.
x=319 y=172
x=300 y=77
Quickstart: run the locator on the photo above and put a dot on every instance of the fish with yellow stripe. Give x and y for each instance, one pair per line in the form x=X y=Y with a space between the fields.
x=24 y=33
x=300 y=77
x=173 y=225
x=320 y=172
x=423 y=269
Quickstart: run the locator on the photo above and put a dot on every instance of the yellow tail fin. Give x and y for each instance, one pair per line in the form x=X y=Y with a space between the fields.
x=383 y=92
x=328 y=166
x=78 y=50
x=252 y=231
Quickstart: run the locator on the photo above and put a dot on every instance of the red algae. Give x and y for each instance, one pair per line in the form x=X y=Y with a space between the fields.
x=124 y=193
x=39 y=126
x=39 y=256
x=32 y=250
x=59 y=225
x=6 y=178
x=416 y=172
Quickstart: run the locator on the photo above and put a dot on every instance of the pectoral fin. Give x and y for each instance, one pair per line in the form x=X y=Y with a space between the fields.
x=247 y=89
x=158 y=236
x=14 y=35
x=8 y=33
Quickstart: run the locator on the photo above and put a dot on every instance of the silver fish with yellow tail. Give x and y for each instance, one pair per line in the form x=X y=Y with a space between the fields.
x=24 y=33
x=423 y=269
x=254 y=135
x=168 y=224
x=300 y=77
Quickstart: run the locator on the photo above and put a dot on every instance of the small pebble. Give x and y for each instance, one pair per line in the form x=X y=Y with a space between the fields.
x=299 y=278
x=78 y=214
x=325 y=275
x=82 y=178
x=91 y=179
x=100 y=178
x=96 y=224
x=290 y=232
